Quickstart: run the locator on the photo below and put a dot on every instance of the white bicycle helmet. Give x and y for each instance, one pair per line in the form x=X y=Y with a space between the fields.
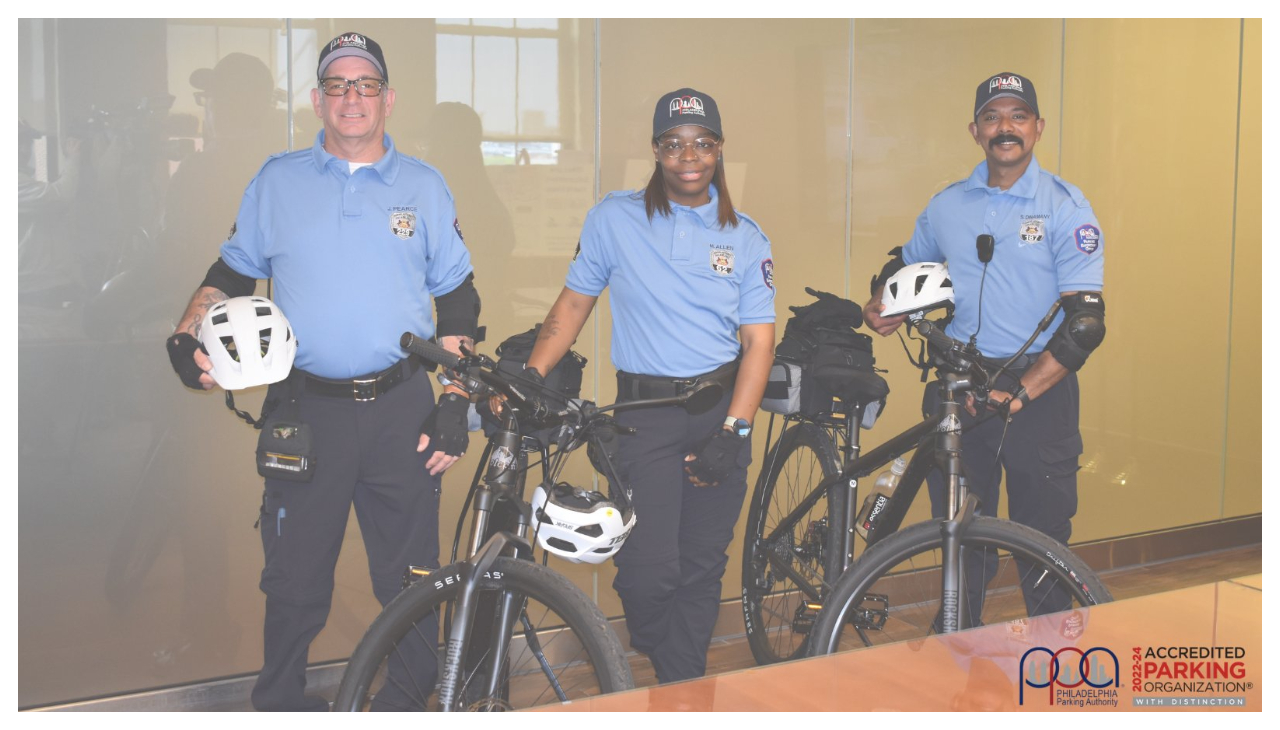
x=579 y=526
x=917 y=288
x=249 y=341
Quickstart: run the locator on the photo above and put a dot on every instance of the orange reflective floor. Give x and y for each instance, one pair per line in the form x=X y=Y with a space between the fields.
x=1193 y=648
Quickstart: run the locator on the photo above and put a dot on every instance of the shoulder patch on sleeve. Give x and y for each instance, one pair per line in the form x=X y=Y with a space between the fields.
x=766 y=270
x=1088 y=237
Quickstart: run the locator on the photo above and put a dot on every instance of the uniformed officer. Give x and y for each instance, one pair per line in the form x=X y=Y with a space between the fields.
x=1047 y=246
x=691 y=294
x=358 y=239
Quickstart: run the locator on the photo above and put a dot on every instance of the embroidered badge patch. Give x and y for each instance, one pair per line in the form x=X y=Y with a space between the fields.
x=403 y=223
x=766 y=270
x=1032 y=231
x=722 y=261
x=1087 y=238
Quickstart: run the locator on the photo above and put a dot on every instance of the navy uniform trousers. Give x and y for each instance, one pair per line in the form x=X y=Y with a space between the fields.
x=670 y=568
x=365 y=456
x=1038 y=461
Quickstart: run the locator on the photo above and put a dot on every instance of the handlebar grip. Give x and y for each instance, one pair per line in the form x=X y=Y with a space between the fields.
x=936 y=336
x=429 y=350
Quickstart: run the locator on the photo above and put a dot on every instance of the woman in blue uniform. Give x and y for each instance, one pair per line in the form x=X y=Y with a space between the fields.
x=691 y=291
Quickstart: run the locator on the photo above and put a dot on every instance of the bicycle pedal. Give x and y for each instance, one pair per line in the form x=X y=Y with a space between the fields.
x=871 y=617
x=414 y=574
x=806 y=613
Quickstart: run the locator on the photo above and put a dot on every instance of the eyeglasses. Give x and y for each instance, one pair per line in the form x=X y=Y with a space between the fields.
x=702 y=147
x=339 y=86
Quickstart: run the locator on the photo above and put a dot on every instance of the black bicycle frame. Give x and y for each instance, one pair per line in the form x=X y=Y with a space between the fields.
x=936 y=447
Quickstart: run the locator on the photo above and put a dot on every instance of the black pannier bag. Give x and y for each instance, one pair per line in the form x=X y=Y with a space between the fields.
x=821 y=358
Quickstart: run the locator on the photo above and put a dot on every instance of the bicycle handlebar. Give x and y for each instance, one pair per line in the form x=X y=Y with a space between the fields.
x=698 y=399
x=964 y=357
x=429 y=350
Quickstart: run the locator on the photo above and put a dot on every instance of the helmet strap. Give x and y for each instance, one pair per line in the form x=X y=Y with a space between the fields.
x=231 y=405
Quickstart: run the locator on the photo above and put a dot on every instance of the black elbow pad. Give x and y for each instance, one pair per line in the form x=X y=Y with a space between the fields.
x=1082 y=330
x=891 y=267
x=458 y=312
x=229 y=281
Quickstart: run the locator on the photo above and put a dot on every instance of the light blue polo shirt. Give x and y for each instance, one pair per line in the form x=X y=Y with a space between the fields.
x=1047 y=242
x=355 y=258
x=679 y=286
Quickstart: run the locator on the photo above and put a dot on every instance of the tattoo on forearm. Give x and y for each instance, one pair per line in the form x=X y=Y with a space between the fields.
x=550 y=328
x=202 y=307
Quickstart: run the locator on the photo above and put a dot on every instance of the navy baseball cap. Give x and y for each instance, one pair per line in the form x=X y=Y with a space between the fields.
x=686 y=106
x=1006 y=84
x=352 y=44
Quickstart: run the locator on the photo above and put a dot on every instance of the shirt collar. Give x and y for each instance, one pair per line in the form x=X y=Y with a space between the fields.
x=387 y=166
x=709 y=213
x=1025 y=187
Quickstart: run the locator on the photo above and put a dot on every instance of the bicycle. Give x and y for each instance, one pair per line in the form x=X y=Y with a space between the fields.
x=796 y=535
x=515 y=632
x=802 y=581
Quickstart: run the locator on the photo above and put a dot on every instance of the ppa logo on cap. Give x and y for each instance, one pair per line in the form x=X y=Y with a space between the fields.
x=351 y=39
x=686 y=105
x=1005 y=83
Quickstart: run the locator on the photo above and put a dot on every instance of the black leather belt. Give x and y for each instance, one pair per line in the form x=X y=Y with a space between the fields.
x=364 y=388
x=644 y=387
x=1019 y=364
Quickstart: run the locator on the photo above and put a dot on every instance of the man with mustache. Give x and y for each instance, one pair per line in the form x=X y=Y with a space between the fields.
x=1047 y=246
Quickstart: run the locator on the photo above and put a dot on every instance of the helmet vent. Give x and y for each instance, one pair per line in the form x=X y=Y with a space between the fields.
x=229 y=343
x=559 y=544
x=262 y=311
x=590 y=530
x=264 y=339
x=220 y=317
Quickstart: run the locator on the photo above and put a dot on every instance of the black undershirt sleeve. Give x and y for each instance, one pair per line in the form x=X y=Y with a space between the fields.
x=228 y=281
x=458 y=312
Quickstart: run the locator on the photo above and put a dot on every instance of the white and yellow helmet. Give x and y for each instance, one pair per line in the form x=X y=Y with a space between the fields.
x=577 y=525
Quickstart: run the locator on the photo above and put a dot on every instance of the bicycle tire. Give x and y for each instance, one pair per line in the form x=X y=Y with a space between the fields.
x=583 y=653
x=898 y=580
x=771 y=602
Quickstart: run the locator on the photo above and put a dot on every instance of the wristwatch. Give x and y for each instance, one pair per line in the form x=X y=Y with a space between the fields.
x=740 y=427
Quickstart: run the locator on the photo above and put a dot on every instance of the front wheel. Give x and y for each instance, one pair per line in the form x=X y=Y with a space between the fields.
x=784 y=572
x=1012 y=573
x=561 y=646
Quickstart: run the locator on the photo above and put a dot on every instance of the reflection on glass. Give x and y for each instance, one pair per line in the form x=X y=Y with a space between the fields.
x=127 y=185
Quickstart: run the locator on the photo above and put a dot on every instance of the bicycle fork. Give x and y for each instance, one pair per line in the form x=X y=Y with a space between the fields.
x=954 y=607
x=961 y=507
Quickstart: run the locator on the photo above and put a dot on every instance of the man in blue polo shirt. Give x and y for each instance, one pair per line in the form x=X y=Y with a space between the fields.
x=1047 y=246
x=358 y=240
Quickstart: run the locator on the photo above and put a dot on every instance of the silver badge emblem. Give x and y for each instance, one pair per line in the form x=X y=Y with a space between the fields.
x=722 y=261
x=1032 y=231
x=402 y=223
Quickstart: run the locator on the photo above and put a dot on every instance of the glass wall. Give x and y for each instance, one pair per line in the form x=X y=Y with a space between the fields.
x=139 y=559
